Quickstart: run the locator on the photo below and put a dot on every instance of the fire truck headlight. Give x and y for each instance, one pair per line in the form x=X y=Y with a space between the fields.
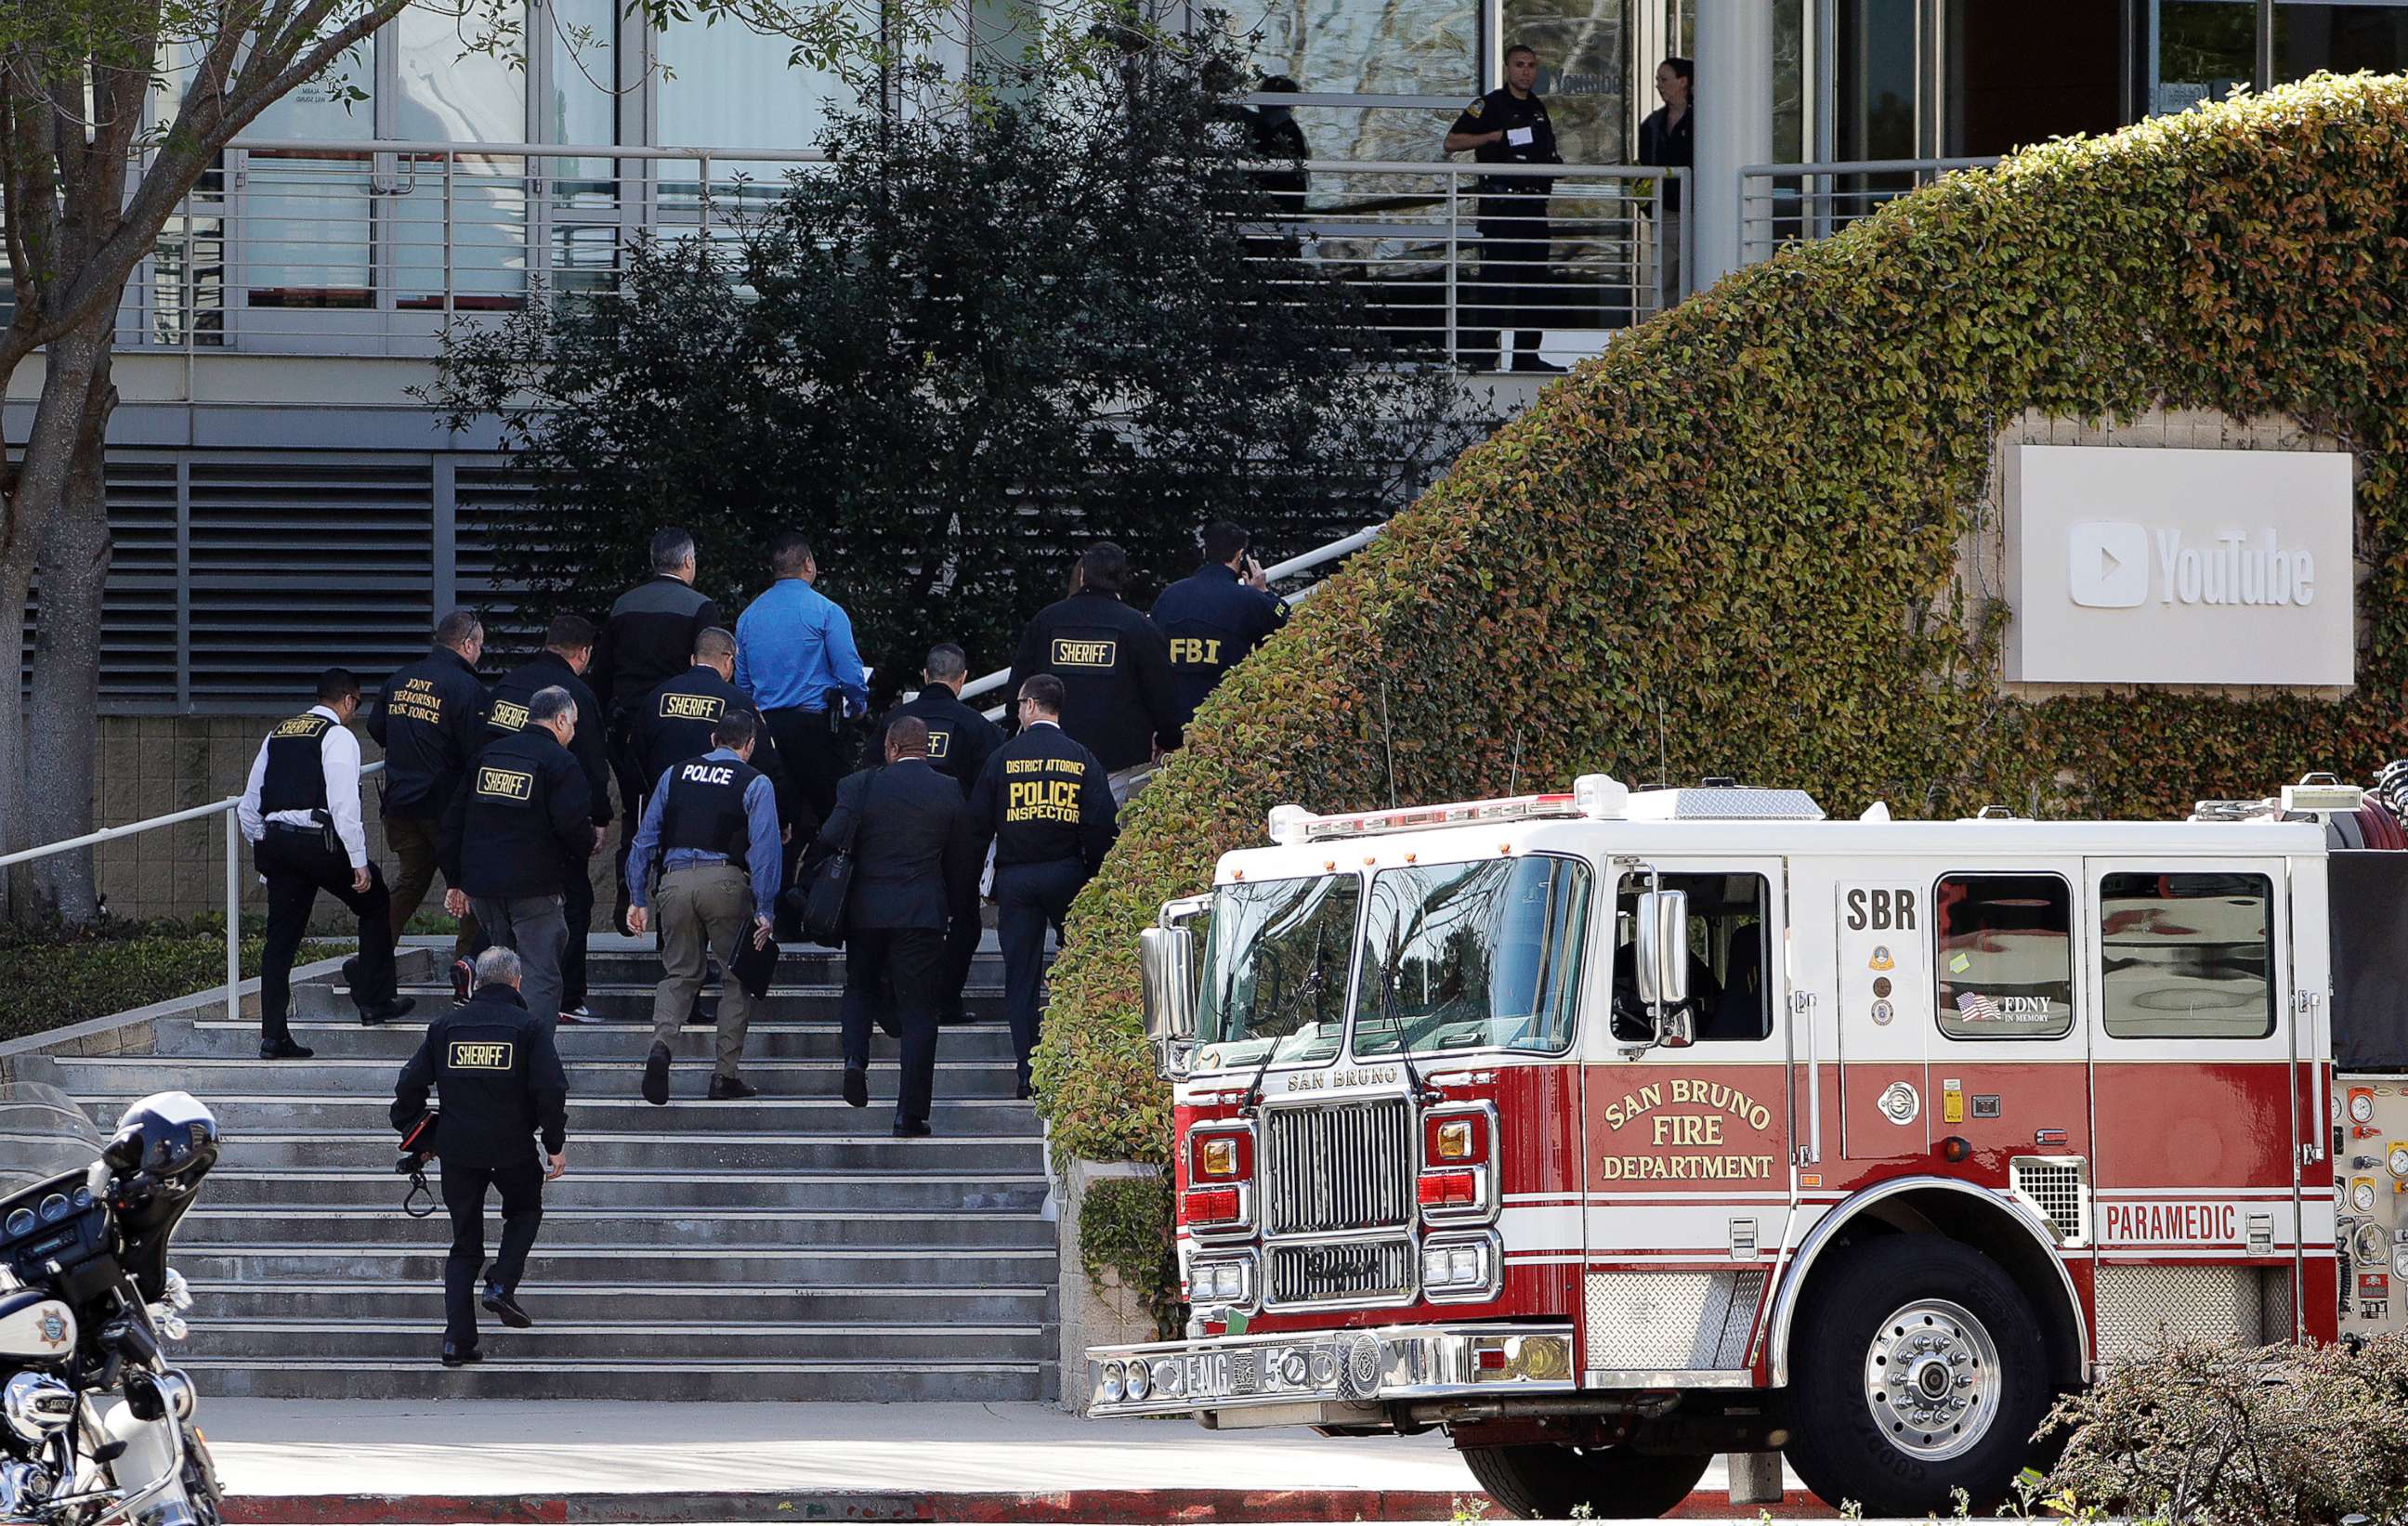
x=1223 y=1282
x=1113 y=1384
x=1139 y=1381
x=1218 y=1157
x=1170 y=1378
x=1434 y=1267
x=1463 y=1266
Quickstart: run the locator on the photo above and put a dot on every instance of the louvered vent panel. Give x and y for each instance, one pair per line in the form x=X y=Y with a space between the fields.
x=299 y=561
x=494 y=505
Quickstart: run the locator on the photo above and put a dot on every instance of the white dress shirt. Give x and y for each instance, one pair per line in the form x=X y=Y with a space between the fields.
x=338 y=754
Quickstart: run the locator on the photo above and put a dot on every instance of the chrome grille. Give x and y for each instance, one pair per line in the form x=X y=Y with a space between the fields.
x=1378 y=1271
x=1334 y=1169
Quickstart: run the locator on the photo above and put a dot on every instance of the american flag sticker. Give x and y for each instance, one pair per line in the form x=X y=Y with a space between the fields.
x=1975 y=1007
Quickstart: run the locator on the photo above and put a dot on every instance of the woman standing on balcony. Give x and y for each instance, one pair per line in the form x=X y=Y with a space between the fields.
x=1665 y=138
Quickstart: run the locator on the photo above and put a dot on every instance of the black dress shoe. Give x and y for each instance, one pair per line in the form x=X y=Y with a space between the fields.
x=731 y=1088
x=456 y=1355
x=656 y=1075
x=856 y=1086
x=400 y=1006
x=284 y=1049
x=906 y=1128
x=503 y=1307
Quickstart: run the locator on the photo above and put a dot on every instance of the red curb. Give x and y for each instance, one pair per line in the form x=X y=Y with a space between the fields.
x=1066 y=1507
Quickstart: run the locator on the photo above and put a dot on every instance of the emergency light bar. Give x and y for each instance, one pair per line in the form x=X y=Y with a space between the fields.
x=1596 y=797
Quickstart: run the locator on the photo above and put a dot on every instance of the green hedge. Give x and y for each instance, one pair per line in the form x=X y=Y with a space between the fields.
x=1744 y=517
x=50 y=979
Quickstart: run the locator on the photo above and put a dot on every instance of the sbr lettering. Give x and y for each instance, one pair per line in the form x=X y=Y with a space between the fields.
x=1881 y=910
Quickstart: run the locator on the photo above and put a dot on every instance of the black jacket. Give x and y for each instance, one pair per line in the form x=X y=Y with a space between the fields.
x=1508 y=198
x=1117 y=668
x=649 y=636
x=960 y=739
x=508 y=713
x=673 y=722
x=912 y=855
x=1668 y=145
x=1212 y=621
x=430 y=720
x=1044 y=799
x=519 y=822
x=500 y=1080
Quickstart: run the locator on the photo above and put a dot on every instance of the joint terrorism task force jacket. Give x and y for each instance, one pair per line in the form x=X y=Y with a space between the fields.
x=500 y=1080
x=1115 y=667
x=1044 y=799
x=430 y=720
x=522 y=823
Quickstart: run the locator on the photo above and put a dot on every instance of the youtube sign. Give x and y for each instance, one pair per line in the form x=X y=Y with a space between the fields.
x=2107 y=564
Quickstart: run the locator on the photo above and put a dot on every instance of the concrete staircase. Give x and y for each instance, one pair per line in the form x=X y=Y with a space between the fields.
x=785 y=1248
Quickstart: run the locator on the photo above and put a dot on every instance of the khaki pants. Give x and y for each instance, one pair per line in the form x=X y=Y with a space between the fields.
x=700 y=910
x=412 y=840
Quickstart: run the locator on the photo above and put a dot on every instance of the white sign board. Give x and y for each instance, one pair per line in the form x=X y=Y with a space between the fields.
x=2128 y=564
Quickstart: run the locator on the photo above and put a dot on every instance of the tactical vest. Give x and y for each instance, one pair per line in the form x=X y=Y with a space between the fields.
x=296 y=766
x=705 y=809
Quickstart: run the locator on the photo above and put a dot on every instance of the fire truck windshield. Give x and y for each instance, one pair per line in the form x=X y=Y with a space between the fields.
x=1482 y=955
x=1281 y=954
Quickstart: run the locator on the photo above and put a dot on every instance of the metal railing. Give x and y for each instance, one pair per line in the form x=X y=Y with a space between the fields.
x=307 y=246
x=229 y=808
x=1780 y=205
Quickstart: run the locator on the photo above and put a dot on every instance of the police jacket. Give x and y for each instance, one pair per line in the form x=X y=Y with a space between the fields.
x=1044 y=799
x=519 y=822
x=674 y=721
x=1116 y=668
x=500 y=1077
x=508 y=713
x=1212 y=621
x=959 y=738
x=1529 y=140
x=912 y=854
x=430 y=720
x=649 y=636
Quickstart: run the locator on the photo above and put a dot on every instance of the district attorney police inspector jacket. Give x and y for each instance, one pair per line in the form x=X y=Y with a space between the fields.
x=430 y=720
x=501 y=1081
x=1115 y=670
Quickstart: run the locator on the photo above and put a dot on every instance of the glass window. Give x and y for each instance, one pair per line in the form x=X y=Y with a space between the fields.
x=731 y=87
x=1729 y=953
x=1473 y=956
x=2005 y=953
x=1367 y=47
x=1584 y=73
x=1276 y=968
x=2186 y=955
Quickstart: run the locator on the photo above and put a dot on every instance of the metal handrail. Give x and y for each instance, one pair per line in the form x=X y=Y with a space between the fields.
x=230 y=808
x=1809 y=201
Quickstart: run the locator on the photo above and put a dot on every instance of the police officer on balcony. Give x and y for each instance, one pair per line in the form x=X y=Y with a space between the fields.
x=711 y=821
x=1115 y=665
x=567 y=652
x=1044 y=803
x=1510 y=126
x=430 y=720
x=648 y=637
x=1216 y=614
x=500 y=1079
x=300 y=812
x=960 y=740
x=510 y=836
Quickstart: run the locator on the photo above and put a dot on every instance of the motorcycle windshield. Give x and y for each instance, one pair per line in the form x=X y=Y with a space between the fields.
x=43 y=1133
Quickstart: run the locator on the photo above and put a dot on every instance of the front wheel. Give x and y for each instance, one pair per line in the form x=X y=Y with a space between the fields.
x=1549 y=1482
x=1920 y=1372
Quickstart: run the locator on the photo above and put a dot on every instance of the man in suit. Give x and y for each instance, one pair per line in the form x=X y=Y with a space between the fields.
x=959 y=742
x=912 y=855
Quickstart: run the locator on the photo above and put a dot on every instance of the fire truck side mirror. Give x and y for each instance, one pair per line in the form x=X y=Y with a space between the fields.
x=1662 y=954
x=1167 y=961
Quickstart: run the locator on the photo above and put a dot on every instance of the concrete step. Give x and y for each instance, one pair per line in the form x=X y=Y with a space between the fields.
x=510 y=1372
x=284 y=1262
x=729 y=1304
x=567 y=1224
x=700 y=1340
x=991 y=1077
x=368 y=1115
x=347 y=1039
x=856 y=1194
x=872 y=1148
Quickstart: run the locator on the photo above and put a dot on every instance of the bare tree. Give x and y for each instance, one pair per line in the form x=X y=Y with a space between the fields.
x=88 y=179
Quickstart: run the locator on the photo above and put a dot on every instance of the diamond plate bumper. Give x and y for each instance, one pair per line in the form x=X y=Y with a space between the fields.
x=1336 y=1366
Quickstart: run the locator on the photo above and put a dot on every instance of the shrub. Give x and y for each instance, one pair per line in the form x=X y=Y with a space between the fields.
x=53 y=979
x=1125 y=1228
x=1738 y=529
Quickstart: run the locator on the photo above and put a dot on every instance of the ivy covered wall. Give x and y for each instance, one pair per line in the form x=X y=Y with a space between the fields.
x=1736 y=537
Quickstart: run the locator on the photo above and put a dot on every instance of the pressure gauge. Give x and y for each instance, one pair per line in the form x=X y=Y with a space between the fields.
x=2399 y=1160
x=2361 y=1106
x=2399 y=1260
x=2362 y=1195
x=54 y=1207
x=2370 y=1243
x=22 y=1222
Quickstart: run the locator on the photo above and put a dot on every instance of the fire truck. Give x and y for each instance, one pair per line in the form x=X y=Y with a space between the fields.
x=1611 y=1131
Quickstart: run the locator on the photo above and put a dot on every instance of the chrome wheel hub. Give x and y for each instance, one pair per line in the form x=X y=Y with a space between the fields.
x=1931 y=1379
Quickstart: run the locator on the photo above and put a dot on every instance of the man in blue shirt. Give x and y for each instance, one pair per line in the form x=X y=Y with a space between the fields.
x=713 y=822
x=794 y=656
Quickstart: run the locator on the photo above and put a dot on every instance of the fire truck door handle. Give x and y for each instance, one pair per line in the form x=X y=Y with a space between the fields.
x=1802 y=1011
x=2319 y=1120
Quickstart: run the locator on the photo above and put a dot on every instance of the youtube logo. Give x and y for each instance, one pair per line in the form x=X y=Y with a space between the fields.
x=2107 y=564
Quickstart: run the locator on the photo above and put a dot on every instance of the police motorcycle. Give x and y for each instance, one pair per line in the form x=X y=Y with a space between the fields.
x=95 y=1425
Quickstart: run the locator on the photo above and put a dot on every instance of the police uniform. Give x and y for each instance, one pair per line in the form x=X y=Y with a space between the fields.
x=430 y=720
x=1513 y=215
x=300 y=811
x=960 y=741
x=1213 y=619
x=500 y=1082
x=1115 y=671
x=588 y=744
x=1046 y=805
x=521 y=818
x=648 y=636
